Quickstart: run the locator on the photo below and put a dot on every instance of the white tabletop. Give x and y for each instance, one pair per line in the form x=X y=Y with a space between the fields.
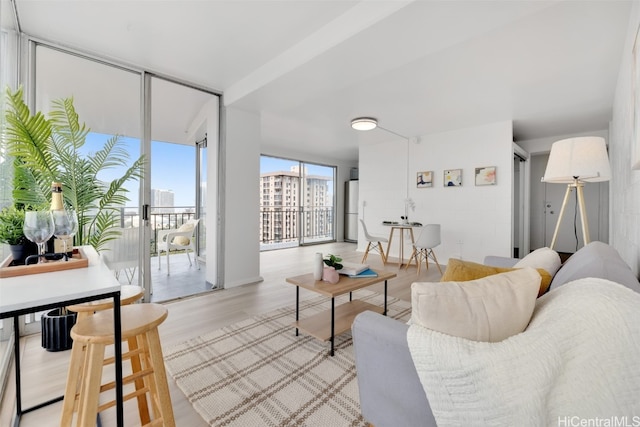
x=33 y=290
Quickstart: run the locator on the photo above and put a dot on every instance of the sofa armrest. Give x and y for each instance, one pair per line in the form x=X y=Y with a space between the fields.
x=500 y=261
x=390 y=391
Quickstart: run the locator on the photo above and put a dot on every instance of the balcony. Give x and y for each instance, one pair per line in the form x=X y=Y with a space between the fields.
x=279 y=226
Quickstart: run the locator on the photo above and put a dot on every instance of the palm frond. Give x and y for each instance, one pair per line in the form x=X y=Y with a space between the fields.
x=28 y=136
x=66 y=123
x=111 y=155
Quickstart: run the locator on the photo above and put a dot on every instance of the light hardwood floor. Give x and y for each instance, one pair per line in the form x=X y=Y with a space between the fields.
x=44 y=373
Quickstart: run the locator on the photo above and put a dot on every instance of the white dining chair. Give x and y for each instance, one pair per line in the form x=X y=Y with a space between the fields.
x=373 y=243
x=423 y=247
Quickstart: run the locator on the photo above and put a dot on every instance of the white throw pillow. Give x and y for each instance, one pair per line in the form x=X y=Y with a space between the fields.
x=182 y=240
x=489 y=309
x=545 y=258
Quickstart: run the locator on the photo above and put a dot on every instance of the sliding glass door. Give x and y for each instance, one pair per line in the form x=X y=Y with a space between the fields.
x=181 y=119
x=318 y=203
x=178 y=120
x=297 y=203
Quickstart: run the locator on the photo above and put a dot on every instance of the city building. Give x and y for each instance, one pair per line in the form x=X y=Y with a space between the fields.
x=288 y=209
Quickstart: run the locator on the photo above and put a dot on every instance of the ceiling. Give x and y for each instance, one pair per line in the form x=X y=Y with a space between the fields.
x=308 y=67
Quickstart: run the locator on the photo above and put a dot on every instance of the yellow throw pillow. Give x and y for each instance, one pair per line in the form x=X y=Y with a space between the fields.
x=490 y=309
x=462 y=271
x=181 y=240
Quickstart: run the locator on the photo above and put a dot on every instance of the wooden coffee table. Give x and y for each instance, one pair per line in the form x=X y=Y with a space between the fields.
x=326 y=325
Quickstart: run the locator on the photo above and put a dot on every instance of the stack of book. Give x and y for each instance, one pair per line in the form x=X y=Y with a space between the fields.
x=356 y=270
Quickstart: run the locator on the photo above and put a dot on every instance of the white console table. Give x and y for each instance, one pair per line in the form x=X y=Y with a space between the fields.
x=37 y=292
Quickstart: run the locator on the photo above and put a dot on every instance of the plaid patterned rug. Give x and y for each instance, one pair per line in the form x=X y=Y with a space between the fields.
x=258 y=373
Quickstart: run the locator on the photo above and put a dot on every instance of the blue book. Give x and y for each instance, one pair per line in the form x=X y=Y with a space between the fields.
x=366 y=273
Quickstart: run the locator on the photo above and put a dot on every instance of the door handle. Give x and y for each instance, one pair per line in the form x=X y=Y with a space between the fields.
x=145 y=212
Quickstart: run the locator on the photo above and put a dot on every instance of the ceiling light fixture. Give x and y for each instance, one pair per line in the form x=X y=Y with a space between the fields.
x=364 y=123
x=369 y=123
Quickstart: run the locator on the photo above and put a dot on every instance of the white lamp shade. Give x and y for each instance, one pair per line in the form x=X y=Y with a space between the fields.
x=584 y=158
x=364 y=123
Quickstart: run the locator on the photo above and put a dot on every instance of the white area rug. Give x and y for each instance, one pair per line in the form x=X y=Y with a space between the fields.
x=258 y=373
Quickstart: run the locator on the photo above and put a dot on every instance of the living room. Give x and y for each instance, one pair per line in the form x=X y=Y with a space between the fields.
x=477 y=220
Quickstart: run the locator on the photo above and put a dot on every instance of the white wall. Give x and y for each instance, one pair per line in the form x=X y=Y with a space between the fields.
x=624 y=150
x=476 y=221
x=240 y=248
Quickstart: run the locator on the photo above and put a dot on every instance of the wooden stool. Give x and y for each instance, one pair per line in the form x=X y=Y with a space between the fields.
x=128 y=295
x=140 y=325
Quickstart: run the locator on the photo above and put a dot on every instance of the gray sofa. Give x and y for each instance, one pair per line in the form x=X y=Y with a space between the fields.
x=390 y=391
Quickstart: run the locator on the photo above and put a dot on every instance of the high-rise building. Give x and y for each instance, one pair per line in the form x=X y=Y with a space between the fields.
x=284 y=203
x=162 y=201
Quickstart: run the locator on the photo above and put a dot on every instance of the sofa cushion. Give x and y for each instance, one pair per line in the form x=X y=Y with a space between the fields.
x=598 y=260
x=545 y=258
x=461 y=271
x=488 y=309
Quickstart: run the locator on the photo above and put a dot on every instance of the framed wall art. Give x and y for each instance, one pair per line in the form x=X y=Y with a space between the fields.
x=453 y=178
x=424 y=179
x=486 y=175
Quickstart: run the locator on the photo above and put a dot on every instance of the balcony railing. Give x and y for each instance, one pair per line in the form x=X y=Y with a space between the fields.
x=277 y=224
x=282 y=225
x=161 y=218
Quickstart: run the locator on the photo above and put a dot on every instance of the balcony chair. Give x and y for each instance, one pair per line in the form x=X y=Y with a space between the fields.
x=374 y=243
x=183 y=238
x=423 y=247
x=121 y=254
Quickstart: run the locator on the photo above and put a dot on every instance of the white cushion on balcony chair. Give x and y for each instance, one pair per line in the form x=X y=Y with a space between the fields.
x=121 y=254
x=182 y=238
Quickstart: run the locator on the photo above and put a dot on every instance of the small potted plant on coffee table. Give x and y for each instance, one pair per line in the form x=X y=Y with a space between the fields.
x=330 y=273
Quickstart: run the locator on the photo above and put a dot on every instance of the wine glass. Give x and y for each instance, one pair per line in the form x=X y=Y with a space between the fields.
x=38 y=227
x=65 y=225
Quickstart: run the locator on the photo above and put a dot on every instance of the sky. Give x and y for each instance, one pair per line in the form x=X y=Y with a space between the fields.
x=274 y=164
x=173 y=168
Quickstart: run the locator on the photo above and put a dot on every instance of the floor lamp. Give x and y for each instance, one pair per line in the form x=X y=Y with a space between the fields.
x=574 y=161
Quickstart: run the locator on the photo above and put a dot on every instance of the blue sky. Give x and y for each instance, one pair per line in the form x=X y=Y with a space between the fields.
x=274 y=164
x=173 y=168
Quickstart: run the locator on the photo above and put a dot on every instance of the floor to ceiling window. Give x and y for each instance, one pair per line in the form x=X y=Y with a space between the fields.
x=171 y=138
x=297 y=203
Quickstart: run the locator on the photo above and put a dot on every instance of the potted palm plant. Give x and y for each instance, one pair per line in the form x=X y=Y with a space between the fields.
x=47 y=150
x=50 y=149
